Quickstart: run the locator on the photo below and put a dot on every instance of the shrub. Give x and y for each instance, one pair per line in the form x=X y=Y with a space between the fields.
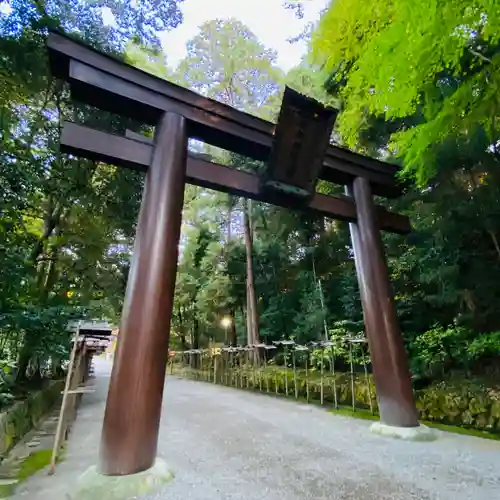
x=437 y=350
x=462 y=402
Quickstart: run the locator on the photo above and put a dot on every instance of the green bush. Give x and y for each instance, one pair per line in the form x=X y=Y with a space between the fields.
x=436 y=351
x=440 y=350
x=7 y=383
x=485 y=345
x=461 y=402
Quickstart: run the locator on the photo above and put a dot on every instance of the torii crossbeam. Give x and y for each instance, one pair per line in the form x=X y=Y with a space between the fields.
x=297 y=153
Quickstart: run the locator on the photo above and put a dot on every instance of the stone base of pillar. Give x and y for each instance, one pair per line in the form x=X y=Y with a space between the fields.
x=419 y=433
x=91 y=485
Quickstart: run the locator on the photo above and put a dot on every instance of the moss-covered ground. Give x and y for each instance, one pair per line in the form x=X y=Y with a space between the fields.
x=33 y=463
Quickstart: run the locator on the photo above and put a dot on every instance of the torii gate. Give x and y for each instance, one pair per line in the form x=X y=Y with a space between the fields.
x=297 y=152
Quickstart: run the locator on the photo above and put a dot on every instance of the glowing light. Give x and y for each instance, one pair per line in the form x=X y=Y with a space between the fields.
x=226 y=322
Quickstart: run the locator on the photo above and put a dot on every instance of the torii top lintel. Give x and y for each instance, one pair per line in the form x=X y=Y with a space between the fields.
x=110 y=84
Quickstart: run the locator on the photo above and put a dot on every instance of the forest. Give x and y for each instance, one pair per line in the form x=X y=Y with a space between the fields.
x=416 y=85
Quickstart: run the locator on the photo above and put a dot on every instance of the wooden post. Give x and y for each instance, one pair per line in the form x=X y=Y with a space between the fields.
x=389 y=360
x=67 y=385
x=133 y=408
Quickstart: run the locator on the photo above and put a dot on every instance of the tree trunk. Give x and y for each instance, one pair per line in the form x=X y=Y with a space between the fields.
x=229 y=217
x=253 y=317
x=495 y=242
x=233 y=340
x=182 y=332
x=52 y=272
x=23 y=362
x=51 y=221
x=57 y=370
x=195 y=341
x=249 y=319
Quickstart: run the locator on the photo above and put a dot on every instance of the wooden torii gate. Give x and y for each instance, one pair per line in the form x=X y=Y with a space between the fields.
x=297 y=153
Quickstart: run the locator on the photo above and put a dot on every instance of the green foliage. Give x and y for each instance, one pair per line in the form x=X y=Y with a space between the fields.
x=65 y=239
x=416 y=83
x=227 y=62
x=438 y=351
x=7 y=383
x=125 y=20
x=435 y=351
x=434 y=65
x=461 y=402
x=486 y=345
x=305 y=80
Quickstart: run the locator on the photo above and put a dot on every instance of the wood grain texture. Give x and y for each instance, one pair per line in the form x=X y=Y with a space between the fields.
x=135 y=151
x=133 y=408
x=389 y=359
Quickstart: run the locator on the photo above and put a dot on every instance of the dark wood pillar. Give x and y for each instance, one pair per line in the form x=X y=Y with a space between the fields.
x=389 y=360
x=133 y=408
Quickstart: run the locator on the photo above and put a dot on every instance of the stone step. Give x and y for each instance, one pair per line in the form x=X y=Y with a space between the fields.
x=8 y=482
x=9 y=474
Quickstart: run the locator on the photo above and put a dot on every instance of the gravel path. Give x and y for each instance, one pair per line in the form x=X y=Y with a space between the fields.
x=225 y=444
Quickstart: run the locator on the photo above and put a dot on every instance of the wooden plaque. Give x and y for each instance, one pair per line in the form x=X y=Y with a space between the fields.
x=300 y=142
